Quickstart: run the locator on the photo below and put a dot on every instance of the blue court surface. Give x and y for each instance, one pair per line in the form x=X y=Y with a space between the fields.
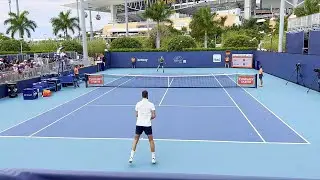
x=227 y=133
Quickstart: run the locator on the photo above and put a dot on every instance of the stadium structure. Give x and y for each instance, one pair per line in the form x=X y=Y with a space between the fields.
x=186 y=7
x=126 y=16
x=235 y=10
x=136 y=24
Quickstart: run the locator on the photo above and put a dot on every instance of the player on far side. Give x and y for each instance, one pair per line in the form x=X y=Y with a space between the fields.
x=145 y=113
x=261 y=76
x=161 y=62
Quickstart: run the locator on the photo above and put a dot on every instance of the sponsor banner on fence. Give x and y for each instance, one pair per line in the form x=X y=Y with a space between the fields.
x=142 y=60
x=179 y=60
x=247 y=80
x=95 y=79
x=216 y=58
x=242 y=60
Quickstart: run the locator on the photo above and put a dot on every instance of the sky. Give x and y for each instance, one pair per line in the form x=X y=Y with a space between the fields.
x=41 y=11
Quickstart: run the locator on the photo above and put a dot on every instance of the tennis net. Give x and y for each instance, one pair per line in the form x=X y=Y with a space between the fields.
x=174 y=81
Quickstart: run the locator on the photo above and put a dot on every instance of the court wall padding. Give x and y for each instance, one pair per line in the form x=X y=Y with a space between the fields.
x=13 y=174
x=283 y=65
x=187 y=59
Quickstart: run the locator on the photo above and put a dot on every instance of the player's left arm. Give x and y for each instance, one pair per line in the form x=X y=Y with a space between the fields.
x=136 y=108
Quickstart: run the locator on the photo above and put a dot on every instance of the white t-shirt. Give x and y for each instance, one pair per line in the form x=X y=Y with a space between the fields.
x=144 y=108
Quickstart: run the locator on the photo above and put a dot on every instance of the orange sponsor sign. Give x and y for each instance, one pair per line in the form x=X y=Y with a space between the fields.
x=95 y=79
x=246 y=80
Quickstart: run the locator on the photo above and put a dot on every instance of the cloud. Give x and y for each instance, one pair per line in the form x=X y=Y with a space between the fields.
x=41 y=11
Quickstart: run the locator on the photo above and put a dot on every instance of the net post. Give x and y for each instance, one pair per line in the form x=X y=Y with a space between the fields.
x=86 y=79
x=256 y=81
x=168 y=81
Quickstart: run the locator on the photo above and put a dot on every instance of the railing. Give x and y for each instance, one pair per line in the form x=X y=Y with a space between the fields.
x=305 y=23
x=40 y=69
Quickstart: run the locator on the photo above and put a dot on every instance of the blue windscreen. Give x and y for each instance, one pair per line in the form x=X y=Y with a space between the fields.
x=295 y=43
x=314 y=42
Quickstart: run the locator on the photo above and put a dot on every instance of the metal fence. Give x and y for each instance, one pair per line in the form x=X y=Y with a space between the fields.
x=43 y=66
x=305 y=23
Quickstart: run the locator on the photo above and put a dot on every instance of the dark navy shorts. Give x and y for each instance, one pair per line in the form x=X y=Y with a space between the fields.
x=160 y=64
x=147 y=130
x=260 y=76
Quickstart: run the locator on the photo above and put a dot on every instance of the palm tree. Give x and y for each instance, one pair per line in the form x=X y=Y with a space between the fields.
x=20 y=24
x=204 y=22
x=309 y=7
x=158 y=12
x=64 y=23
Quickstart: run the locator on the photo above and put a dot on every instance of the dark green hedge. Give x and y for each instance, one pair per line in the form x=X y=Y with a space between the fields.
x=178 y=43
x=188 y=49
x=18 y=52
x=126 y=42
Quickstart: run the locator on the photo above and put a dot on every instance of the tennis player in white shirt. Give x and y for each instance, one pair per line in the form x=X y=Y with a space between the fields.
x=145 y=113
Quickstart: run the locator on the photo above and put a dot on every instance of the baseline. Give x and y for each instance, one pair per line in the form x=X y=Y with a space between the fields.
x=165 y=140
x=167 y=105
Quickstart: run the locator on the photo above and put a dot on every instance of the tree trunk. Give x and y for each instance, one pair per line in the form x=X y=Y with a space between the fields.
x=158 y=36
x=65 y=34
x=205 y=39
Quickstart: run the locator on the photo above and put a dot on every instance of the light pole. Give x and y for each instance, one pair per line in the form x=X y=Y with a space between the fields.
x=78 y=18
x=10 y=6
x=281 y=26
x=18 y=14
x=17 y=4
x=126 y=16
x=83 y=29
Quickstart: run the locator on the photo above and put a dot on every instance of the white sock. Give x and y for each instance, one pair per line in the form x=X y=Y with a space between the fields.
x=132 y=153
x=153 y=154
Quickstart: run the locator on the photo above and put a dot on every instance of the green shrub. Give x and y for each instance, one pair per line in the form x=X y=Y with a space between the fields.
x=239 y=41
x=165 y=42
x=186 y=49
x=3 y=37
x=52 y=46
x=222 y=49
x=137 y=50
x=125 y=42
x=72 y=45
x=47 y=46
x=266 y=43
x=13 y=45
x=147 y=42
x=23 y=52
x=96 y=46
x=178 y=43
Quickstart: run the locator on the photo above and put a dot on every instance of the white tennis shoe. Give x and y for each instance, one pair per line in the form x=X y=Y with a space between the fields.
x=153 y=160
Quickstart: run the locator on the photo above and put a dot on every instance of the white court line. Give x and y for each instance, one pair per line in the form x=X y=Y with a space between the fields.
x=165 y=140
x=166 y=92
x=78 y=109
x=240 y=110
x=197 y=106
x=127 y=105
x=47 y=111
x=274 y=114
x=52 y=108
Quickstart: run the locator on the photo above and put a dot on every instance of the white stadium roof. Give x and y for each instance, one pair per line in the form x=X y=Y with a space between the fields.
x=99 y=5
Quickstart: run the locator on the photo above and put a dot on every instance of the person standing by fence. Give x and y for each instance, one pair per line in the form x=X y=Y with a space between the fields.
x=133 y=62
x=76 y=76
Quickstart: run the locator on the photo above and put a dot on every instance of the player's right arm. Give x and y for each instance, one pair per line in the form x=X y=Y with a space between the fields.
x=153 y=112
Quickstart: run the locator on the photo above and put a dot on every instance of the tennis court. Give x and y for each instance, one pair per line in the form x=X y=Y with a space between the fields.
x=218 y=130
